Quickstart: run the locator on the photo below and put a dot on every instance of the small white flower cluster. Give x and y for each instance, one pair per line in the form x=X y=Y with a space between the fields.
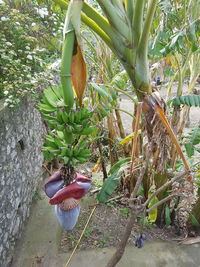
x=4 y=19
x=42 y=11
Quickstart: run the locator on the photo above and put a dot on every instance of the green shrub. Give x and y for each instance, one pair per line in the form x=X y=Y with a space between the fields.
x=25 y=50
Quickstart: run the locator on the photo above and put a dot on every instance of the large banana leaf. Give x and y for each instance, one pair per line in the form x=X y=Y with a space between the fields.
x=189 y=100
x=102 y=92
x=118 y=165
x=194 y=139
x=109 y=186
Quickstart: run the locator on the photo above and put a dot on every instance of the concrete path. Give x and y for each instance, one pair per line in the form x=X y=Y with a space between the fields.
x=38 y=247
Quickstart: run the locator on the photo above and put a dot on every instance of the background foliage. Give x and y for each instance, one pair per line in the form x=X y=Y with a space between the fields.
x=28 y=43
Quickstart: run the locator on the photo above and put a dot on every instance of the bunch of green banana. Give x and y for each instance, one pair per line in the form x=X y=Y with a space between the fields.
x=52 y=99
x=73 y=156
x=67 y=140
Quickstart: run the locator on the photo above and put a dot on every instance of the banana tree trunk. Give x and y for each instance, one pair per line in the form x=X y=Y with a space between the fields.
x=121 y=131
x=112 y=137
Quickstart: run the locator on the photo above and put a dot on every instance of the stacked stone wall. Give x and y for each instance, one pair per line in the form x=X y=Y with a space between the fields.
x=21 y=139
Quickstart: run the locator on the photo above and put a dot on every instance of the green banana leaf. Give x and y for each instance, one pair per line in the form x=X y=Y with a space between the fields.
x=102 y=91
x=167 y=215
x=118 y=165
x=109 y=186
x=193 y=220
x=189 y=100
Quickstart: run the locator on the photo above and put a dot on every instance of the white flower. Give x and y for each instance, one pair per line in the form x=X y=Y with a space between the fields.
x=5 y=57
x=8 y=43
x=17 y=23
x=33 y=24
x=42 y=12
x=5 y=104
x=4 y=18
x=5 y=92
x=30 y=57
x=27 y=47
x=12 y=52
x=33 y=81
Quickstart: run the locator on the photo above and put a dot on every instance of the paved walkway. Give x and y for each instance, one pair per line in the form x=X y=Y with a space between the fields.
x=38 y=247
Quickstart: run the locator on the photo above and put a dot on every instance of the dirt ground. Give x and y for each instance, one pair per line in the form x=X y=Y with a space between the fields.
x=107 y=226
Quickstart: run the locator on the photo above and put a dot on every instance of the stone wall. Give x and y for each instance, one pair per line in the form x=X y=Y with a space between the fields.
x=21 y=134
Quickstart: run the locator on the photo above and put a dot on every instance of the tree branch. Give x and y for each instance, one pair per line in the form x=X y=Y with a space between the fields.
x=162 y=201
x=168 y=183
x=122 y=244
x=135 y=211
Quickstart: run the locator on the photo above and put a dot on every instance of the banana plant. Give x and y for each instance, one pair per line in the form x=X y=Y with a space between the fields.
x=70 y=121
x=125 y=27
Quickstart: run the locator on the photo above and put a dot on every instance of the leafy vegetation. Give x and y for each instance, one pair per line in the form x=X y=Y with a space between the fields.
x=132 y=33
x=26 y=43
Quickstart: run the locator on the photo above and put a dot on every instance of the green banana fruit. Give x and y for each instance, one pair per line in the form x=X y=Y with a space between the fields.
x=59 y=117
x=49 y=102
x=71 y=117
x=45 y=108
x=66 y=160
x=68 y=137
x=88 y=130
x=65 y=117
x=81 y=160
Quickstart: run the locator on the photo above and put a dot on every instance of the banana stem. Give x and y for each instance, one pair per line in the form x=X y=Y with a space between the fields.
x=142 y=68
x=116 y=19
x=129 y=9
x=65 y=72
x=138 y=21
x=94 y=21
